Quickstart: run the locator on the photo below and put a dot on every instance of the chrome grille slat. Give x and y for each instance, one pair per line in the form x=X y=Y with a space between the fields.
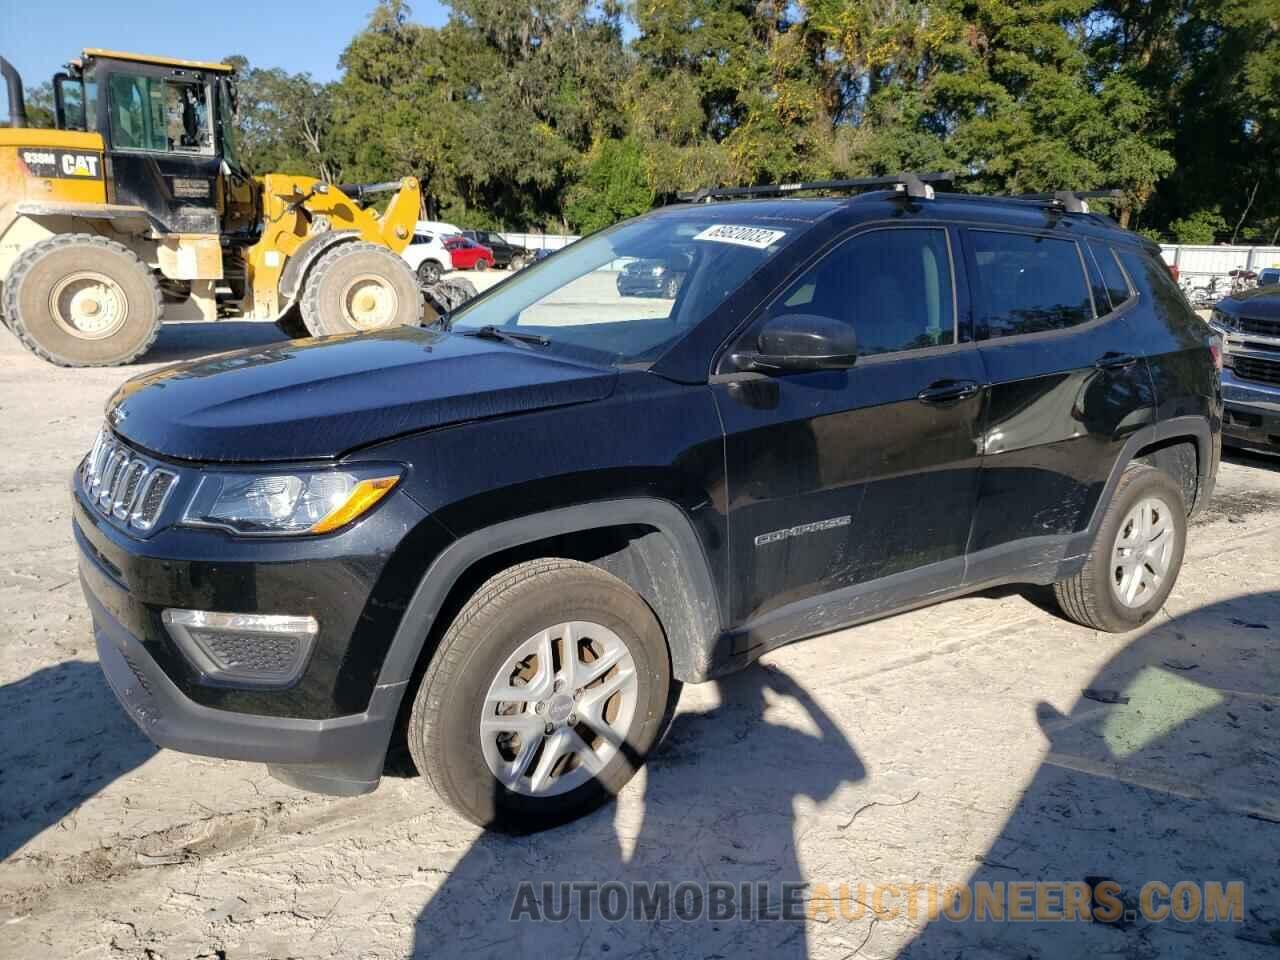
x=125 y=486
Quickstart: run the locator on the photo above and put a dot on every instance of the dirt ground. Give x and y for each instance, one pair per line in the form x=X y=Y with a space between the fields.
x=946 y=745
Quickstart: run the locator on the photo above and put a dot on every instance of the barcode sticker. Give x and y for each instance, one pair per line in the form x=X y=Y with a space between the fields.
x=757 y=237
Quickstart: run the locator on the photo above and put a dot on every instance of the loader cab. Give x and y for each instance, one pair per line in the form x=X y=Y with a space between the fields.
x=167 y=130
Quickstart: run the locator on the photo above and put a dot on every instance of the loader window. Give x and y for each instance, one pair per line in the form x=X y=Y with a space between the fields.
x=165 y=116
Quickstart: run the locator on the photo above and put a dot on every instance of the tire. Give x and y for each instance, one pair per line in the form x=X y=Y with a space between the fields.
x=359 y=288
x=510 y=611
x=429 y=272
x=671 y=288
x=1092 y=596
x=482 y=265
x=79 y=271
x=290 y=324
x=517 y=263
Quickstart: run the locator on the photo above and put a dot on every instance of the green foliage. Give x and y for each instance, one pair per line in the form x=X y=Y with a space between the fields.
x=540 y=115
x=1203 y=226
x=614 y=186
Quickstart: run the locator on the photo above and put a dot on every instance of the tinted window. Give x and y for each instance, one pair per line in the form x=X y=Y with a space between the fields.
x=159 y=115
x=893 y=286
x=1113 y=278
x=1028 y=284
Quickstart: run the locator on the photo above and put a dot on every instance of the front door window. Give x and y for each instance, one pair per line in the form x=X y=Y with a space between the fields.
x=159 y=116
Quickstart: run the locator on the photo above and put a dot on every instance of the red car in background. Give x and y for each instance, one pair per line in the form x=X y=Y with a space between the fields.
x=467 y=255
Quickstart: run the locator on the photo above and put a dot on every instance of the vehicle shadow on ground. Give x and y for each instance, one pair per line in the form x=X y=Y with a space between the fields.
x=1182 y=782
x=64 y=739
x=187 y=341
x=767 y=744
x=1252 y=458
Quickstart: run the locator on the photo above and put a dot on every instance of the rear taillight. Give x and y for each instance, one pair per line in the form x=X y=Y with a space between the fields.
x=1174 y=271
x=1215 y=348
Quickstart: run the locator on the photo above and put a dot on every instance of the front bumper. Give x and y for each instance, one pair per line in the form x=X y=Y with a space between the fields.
x=1252 y=413
x=326 y=732
x=342 y=755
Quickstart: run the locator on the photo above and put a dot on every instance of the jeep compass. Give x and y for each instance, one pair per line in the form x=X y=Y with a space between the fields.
x=509 y=537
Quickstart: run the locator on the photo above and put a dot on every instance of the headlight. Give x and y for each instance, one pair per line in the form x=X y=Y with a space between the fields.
x=1221 y=321
x=307 y=501
x=659 y=270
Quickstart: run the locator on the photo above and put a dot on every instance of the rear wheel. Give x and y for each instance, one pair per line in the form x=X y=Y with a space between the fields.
x=482 y=264
x=429 y=272
x=81 y=300
x=359 y=288
x=544 y=697
x=1135 y=558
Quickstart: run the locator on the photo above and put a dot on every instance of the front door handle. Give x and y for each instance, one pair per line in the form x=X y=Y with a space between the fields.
x=1115 y=361
x=942 y=391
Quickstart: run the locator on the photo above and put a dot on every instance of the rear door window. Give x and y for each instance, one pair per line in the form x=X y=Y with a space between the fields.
x=1113 y=278
x=1028 y=284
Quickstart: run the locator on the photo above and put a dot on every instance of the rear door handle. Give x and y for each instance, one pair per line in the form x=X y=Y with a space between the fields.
x=1115 y=361
x=943 y=390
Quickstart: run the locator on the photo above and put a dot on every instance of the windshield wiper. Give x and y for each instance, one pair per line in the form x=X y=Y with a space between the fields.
x=490 y=332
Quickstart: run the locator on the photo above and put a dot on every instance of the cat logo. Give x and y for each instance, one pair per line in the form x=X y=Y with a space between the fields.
x=79 y=165
x=62 y=164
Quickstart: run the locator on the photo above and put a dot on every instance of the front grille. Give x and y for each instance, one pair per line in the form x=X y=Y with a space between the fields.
x=1253 y=368
x=127 y=487
x=1260 y=327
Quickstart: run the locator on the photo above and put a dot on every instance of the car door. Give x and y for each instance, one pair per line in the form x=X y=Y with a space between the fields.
x=852 y=490
x=1068 y=384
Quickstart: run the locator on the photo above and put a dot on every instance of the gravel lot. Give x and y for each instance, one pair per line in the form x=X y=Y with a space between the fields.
x=940 y=746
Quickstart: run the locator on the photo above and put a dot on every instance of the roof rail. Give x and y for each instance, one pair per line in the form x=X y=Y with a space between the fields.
x=1072 y=201
x=914 y=185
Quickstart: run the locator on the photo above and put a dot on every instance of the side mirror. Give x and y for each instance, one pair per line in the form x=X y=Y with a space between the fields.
x=797 y=342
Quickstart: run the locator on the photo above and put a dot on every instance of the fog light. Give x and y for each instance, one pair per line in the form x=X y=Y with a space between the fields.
x=243 y=649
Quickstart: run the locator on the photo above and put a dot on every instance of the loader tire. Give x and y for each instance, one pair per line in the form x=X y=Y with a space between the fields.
x=80 y=300
x=359 y=288
x=290 y=324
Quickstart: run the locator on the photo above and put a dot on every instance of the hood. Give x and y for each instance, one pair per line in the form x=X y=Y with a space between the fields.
x=1260 y=302
x=317 y=399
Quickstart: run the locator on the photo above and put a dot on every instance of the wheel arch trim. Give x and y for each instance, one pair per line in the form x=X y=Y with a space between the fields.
x=1195 y=429
x=693 y=622
x=295 y=269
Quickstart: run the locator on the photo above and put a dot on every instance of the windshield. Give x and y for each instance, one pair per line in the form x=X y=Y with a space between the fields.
x=623 y=296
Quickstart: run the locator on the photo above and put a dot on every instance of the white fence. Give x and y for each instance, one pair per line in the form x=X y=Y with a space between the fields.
x=1199 y=263
x=539 y=241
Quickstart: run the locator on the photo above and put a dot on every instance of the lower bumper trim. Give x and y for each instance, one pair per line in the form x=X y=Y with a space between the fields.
x=342 y=755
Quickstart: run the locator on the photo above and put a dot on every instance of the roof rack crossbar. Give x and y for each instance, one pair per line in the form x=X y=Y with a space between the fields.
x=1073 y=201
x=915 y=185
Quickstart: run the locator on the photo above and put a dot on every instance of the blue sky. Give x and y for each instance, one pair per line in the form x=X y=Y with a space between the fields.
x=38 y=38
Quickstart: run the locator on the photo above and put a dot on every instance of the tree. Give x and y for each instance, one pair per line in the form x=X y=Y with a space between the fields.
x=613 y=187
x=285 y=121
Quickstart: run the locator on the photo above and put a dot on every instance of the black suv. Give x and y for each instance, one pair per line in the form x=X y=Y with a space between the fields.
x=510 y=537
x=505 y=254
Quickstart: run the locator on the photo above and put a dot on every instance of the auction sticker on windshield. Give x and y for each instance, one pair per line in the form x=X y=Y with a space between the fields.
x=757 y=237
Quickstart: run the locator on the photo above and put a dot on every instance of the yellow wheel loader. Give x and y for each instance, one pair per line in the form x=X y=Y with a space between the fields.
x=137 y=205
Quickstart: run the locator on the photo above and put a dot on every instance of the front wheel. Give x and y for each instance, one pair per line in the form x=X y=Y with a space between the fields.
x=544 y=697
x=358 y=288
x=482 y=265
x=1136 y=555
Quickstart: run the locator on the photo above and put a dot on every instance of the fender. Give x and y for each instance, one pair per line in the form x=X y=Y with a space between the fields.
x=691 y=618
x=1196 y=429
x=311 y=250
